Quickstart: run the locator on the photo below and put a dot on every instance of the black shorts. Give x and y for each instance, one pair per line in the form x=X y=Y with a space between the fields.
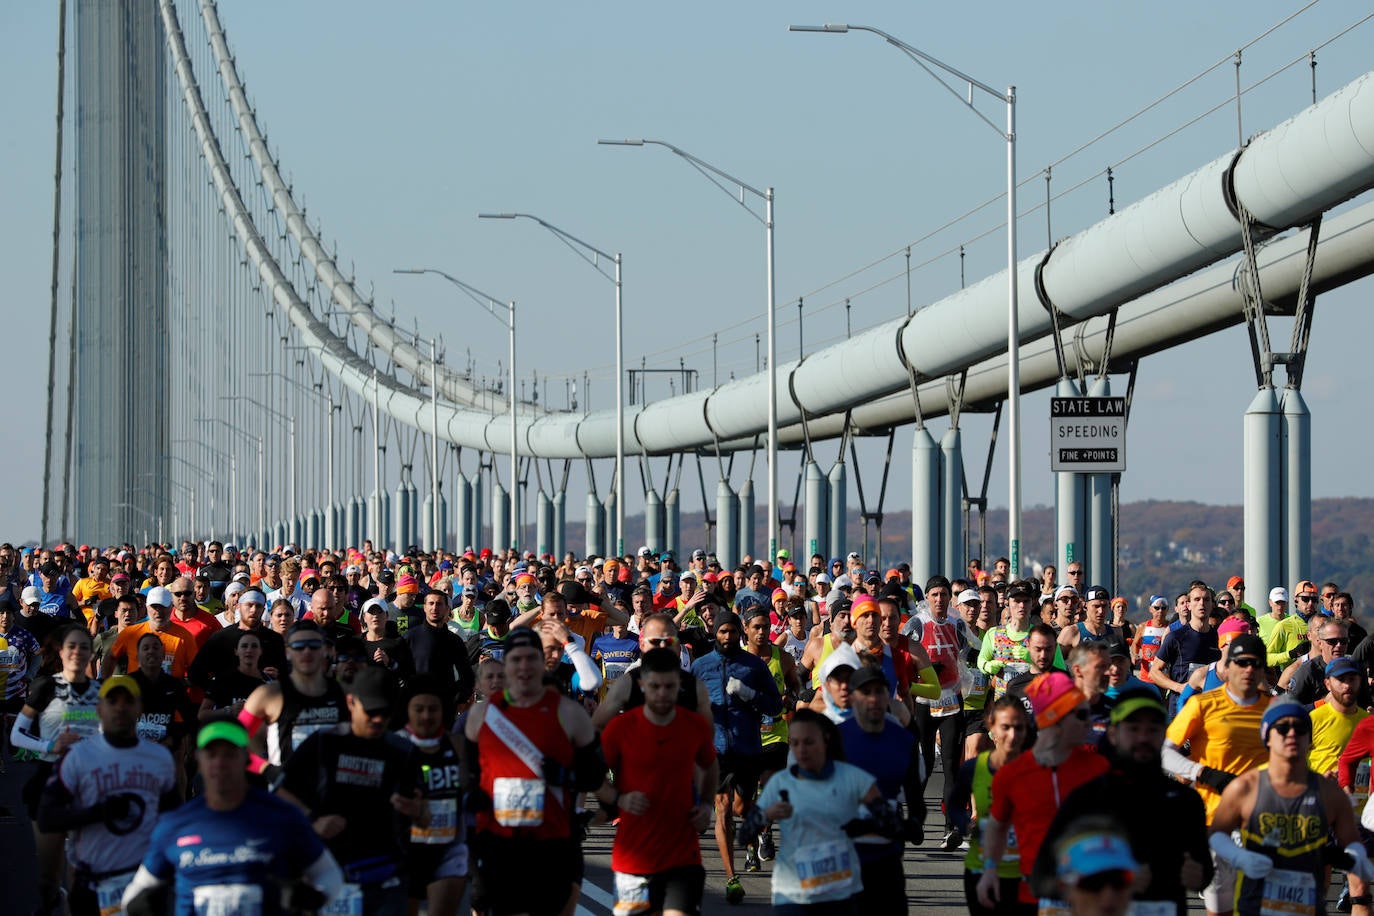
x=33 y=789
x=427 y=864
x=672 y=889
x=973 y=723
x=773 y=759
x=505 y=866
x=739 y=773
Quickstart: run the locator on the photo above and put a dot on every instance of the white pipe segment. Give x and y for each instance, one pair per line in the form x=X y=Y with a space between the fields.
x=451 y=385
x=1316 y=160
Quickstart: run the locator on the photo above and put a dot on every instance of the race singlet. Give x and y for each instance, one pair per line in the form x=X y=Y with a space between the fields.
x=1289 y=893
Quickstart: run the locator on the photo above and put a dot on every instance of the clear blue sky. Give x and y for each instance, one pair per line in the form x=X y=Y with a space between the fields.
x=399 y=122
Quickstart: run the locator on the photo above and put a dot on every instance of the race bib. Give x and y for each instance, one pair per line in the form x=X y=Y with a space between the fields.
x=631 y=894
x=227 y=900
x=825 y=870
x=348 y=903
x=517 y=802
x=110 y=891
x=1050 y=907
x=614 y=670
x=947 y=703
x=1152 y=908
x=1361 y=786
x=151 y=731
x=1288 y=893
x=443 y=823
x=167 y=661
x=1013 y=852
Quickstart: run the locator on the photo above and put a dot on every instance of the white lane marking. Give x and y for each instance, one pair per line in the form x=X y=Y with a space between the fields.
x=597 y=894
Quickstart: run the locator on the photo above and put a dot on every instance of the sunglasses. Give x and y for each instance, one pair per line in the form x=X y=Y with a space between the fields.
x=1338 y=641
x=1245 y=662
x=1289 y=726
x=315 y=644
x=662 y=641
x=181 y=594
x=1307 y=597
x=1225 y=602
x=1117 y=880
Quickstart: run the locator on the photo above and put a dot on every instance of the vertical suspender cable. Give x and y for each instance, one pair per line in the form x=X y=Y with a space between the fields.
x=56 y=264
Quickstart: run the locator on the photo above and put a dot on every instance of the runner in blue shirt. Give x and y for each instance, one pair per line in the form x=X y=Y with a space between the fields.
x=234 y=849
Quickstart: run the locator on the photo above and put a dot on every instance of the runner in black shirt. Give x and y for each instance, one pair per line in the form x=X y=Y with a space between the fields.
x=440 y=652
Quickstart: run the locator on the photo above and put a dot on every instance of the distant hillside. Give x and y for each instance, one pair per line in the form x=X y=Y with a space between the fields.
x=1163 y=544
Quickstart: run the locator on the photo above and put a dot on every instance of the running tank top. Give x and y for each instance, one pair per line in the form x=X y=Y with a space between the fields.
x=794 y=646
x=441 y=789
x=1010 y=866
x=465 y=630
x=827 y=646
x=512 y=784
x=773 y=731
x=1087 y=636
x=1004 y=650
x=1292 y=833
x=941 y=641
x=65 y=705
x=1151 y=637
x=301 y=716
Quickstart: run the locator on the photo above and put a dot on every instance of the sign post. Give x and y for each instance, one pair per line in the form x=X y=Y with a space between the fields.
x=1088 y=435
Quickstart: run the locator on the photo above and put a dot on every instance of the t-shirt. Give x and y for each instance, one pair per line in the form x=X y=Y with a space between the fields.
x=87 y=589
x=1331 y=731
x=660 y=761
x=1221 y=734
x=1026 y=795
x=201 y=625
x=1185 y=649
x=616 y=655
x=813 y=850
x=588 y=623
x=94 y=770
x=232 y=861
x=179 y=646
x=356 y=777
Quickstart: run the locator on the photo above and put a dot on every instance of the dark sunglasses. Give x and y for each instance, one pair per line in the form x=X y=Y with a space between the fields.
x=315 y=644
x=1245 y=662
x=1289 y=726
x=182 y=594
x=1117 y=880
x=1225 y=602
x=1338 y=641
x=1307 y=597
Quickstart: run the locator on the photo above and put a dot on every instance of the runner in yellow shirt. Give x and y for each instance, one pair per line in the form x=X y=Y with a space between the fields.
x=1334 y=721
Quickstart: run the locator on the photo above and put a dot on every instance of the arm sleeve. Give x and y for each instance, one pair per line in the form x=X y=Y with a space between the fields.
x=588 y=676
x=325 y=875
x=1178 y=765
x=985 y=655
x=1277 y=645
x=25 y=734
x=927 y=684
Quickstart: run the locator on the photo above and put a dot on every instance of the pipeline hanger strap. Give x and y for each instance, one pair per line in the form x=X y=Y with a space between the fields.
x=1302 y=327
x=1056 y=327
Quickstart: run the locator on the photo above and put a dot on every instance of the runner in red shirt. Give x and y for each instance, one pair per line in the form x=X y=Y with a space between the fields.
x=1027 y=792
x=664 y=761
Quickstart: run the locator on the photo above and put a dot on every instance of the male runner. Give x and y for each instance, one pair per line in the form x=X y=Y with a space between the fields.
x=304 y=702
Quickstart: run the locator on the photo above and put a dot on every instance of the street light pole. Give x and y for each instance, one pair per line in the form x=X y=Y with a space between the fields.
x=1008 y=98
x=770 y=309
x=489 y=303
x=591 y=254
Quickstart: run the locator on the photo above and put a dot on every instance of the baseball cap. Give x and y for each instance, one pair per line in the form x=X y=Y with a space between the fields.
x=1139 y=698
x=783 y=554
x=1278 y=593
x=1094 y=853
x=1021 y=589
x=1284 y=709
x=1235 y=582
x=644 y=552
x=1053 y=696
x=1340 y=667
x=374 y=688
x=469 y=591
x=843 y=582
x=853 y=555
x=865 y=675
x=222 y=730
x=32 y=595
x=1065 y=590
x=371 y=604
x=872 y=578
x=823 y=577
x=1118 y=648
x=1097 y=593
x=969 y=596
x=161 y=596
x=120 y=682
x=1247 y=644
x=120 y=577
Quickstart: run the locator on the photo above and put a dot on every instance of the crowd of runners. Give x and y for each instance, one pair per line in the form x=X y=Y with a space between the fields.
x=224 y=731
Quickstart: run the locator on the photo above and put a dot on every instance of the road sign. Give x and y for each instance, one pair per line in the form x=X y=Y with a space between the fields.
x=1088 y=435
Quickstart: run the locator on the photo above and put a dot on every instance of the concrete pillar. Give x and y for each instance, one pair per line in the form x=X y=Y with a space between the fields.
x=354 y=526
x=653 y=521
x=816 y=510
x=500 y=517
x=560 y=524
x=925 y=507
x=400 y=519
x=462 y=515
x=951 y=503
x=1071 y=506
x=608 y=546
x=1297 y=482
x=1262 y=470
x=838 y=526
x=727 y=525
x=477 y=536
x=745 y=523
x=594 y=540
x=313 y=528
x=672 y=522
x=543 y=523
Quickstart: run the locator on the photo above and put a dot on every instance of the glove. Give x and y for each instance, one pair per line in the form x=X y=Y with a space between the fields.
x=555 y=774
x=1217 y=781
x=305 y=898
x=476 y=802
x=737 y=688
x=1020 y=653
x=1300 y=649
x=859 y=826
x=1253 y=864
x=116 y=807
x=1360 y=866
x=751 y=826
x=995 y=666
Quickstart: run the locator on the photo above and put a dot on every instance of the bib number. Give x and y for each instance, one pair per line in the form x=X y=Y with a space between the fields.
x=109 y=893
x=825 y=871
x=443 y=823
x=1152 y=908
x=1288 y=893
x=947 y=703
x=1051 y=907
x=631 y=894
x=348 y=903
x=518 y=802
x=1361 y=786
x=227 y=900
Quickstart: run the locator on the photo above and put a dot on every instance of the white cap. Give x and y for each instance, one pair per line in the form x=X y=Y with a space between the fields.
x=687 y=574
x=1278 y=593
x=823 y=577
x=1065 y=590
x=582 y=571
x=160 y=596
x=843 y=582
x=969 y=595
x=598 y=563
x=645 y=551
x=351 y=569
x=375 y=603
x=32 y=595
x=243 y=577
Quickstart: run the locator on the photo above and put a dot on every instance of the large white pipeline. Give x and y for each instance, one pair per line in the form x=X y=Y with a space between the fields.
x=1284 y=177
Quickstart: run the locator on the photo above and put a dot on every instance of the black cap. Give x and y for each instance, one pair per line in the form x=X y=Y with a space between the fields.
x=50 y=568
x=1097 y=593
x=374 y=688
x=523 y=638
x=698 y=554
x=868 y=674
x=1247 y=644
x=575 y=592
x=304 y=626
x=1118 y=648
x=1022 y=589
x=386 y=576
x=726 y=617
